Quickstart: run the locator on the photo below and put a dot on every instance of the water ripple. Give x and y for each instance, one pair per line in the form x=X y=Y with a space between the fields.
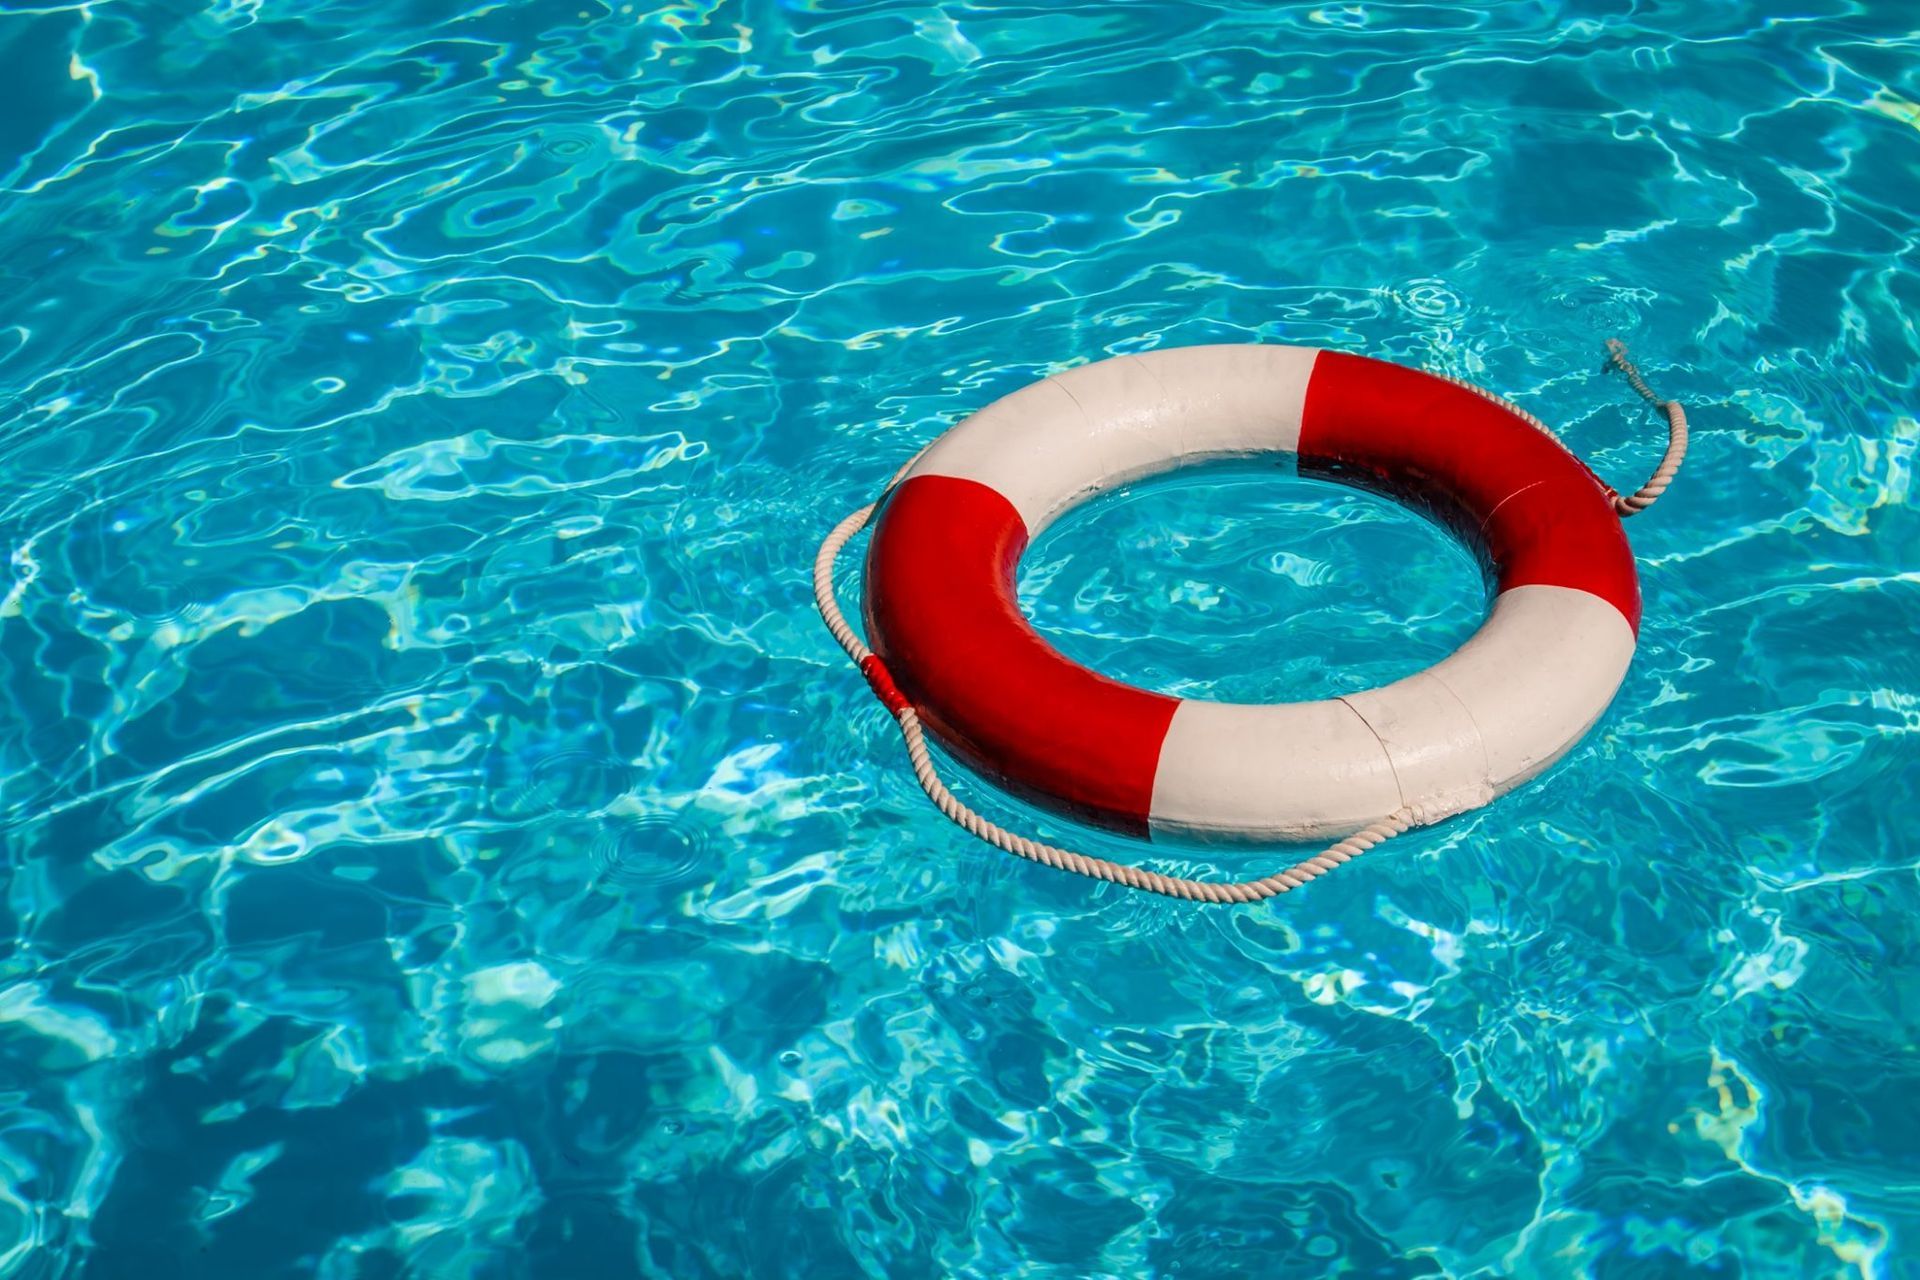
x=440 y=838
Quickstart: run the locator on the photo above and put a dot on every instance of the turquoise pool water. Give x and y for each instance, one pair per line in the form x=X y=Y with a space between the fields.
x=441 y=841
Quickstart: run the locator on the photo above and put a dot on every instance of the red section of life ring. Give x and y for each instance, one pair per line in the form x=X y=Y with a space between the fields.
x=1045 y=727
x=1538 y=515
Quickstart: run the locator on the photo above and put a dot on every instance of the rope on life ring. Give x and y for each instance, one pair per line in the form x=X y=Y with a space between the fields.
x=1647 y=494
x=880 y=680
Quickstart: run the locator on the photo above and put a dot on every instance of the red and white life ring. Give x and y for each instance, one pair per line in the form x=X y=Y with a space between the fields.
x=941 y=609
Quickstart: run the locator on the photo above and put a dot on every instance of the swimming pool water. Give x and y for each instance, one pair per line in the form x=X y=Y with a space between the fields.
x=441 y=841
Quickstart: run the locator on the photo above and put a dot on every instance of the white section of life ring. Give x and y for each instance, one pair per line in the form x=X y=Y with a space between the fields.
x=1498 y=711
x=1052 y=445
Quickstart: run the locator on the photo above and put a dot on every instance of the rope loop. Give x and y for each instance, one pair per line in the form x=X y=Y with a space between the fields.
x=1647 y=494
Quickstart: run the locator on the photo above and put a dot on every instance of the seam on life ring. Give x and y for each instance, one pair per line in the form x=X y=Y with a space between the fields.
x=1133 y=360
x=1487 y=521
x=1054 y=378
x=1433 y=804
x=1486 y=760
x=1086 y=419
x=1486 y=757
x=1387 y=755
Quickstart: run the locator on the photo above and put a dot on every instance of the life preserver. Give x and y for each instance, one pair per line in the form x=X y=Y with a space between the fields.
x=941 y=610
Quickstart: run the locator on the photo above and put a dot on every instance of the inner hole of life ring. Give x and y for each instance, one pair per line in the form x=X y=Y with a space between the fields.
x=1245 y=582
